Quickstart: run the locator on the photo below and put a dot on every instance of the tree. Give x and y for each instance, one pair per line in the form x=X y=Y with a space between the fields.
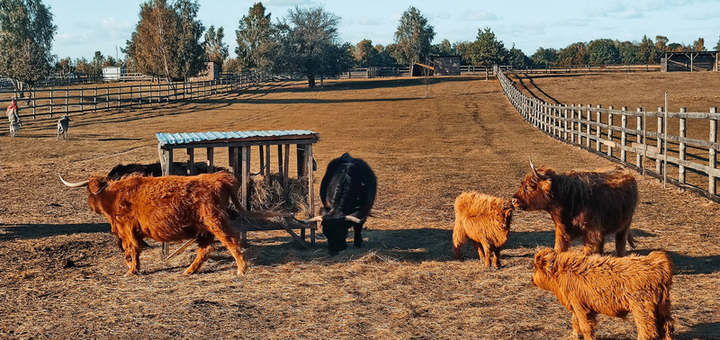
x=413 y=37
x=545 y=57
x=96 y=63
x=82 y=66
x=215 y=49
x=661 y=43
x=647 y=51
x=166 y=41
x=365 y=54
x=26 y=36
x=698 y=45
x=517 y=59
x=257 y=39
x=444 y=48
x=310 y=44
x=486 y=50
x=64 y=67
x=628 y=53
x=573 y=54
x=717 y=46
x=602 y=52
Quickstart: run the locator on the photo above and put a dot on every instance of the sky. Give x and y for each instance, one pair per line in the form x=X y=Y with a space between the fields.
x=86 y=26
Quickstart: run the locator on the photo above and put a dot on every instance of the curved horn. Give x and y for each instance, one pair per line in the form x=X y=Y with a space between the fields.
x=314 y=219
x=73 y=185
x=352 y=219
x=533 y=168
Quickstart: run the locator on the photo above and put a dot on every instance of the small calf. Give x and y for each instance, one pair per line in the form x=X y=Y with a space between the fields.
x=614 y=286
x=485 y=220
x=63 y=125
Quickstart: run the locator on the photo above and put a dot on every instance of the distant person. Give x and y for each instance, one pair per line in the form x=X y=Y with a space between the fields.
x=13 y=118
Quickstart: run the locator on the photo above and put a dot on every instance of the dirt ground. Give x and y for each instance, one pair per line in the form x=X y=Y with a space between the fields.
x=403 y=283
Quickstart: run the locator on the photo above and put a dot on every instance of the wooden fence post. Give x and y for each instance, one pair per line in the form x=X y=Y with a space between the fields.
x=610 y=130
x=34 y=95
x=588 y=126
x=565 y=121
x=623 y=134
x=67 y=96
x=51 y=101
x=95 y=100
x=82 y=99
x=658 y=161
x=640 y=127
x=712 y=152
x=683 y=134
x=598 y=133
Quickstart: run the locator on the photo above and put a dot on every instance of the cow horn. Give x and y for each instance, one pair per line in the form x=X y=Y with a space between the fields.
x=314 y=219
x=353 y=219
x=532 y=166
x=74 y=185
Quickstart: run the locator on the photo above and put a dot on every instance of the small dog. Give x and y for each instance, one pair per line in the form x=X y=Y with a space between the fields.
x=63 y=125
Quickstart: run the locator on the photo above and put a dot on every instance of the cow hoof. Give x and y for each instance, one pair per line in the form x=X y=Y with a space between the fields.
x=131 y=273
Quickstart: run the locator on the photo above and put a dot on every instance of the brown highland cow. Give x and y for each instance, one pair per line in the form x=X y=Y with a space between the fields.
x=485 y=220
x=583 y=204
x=614 y=286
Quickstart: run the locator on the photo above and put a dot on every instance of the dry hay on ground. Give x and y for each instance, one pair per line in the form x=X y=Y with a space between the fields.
x=401 y=285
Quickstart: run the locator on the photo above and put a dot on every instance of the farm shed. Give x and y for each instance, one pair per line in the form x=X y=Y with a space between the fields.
x=446 y=66
x=210 y=72
x=690 y=61
x=240 y=146
x=113 y=73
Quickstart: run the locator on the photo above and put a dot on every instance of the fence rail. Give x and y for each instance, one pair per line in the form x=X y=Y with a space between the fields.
x=52 y=101
x=593 y=69
x=646 y=144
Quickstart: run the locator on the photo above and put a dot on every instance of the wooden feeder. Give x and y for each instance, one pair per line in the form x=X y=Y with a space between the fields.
x=240 y=145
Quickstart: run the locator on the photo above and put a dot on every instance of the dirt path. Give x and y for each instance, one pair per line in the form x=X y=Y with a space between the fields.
x=401 y=285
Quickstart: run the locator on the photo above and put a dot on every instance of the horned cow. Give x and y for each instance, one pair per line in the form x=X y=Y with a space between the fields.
x=591 y=285
x=587 y=204
x=166 y=209
x=485 y=220
x=347 y=192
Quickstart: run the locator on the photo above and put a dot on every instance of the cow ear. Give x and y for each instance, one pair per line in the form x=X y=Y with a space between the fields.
x=545 y=260
x=97 y=184
x=546 y=185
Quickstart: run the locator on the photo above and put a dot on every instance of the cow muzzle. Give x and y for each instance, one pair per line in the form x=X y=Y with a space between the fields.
x=517 y=204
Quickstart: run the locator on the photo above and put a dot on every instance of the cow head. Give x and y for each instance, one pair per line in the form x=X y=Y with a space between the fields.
x=95 y=186
x=335 y=229
x=504 y=214
x=535 y=191
x=544 y=268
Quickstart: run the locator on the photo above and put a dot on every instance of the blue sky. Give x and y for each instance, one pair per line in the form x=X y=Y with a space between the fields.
x=86 y=26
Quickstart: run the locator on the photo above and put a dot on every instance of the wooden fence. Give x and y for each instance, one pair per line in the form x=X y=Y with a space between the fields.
x=592 y=69
x=75 y=100
x=687 y=159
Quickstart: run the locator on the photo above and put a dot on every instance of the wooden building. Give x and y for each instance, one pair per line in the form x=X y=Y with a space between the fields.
x=690 y=61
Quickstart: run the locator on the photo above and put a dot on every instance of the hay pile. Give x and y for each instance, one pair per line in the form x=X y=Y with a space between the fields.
x=268 y=195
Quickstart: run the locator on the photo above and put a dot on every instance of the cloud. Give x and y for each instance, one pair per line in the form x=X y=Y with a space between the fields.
x=288 y=3
x=701 y=15
x=366 y=21
x=478 y=16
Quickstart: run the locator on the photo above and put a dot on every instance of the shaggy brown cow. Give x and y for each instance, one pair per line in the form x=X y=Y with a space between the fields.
x=483 y=219
x=166 y=209
x=592 y=285
x=587 y=204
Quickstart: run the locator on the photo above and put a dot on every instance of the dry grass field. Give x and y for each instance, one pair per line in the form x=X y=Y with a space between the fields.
x=403 y=283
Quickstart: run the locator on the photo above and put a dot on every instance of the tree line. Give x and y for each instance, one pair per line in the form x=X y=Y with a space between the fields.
x=170 y=43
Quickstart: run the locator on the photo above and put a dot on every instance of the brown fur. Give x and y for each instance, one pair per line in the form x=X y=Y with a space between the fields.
x=587 y=204
x=483 y=219
x=591 y=285
x=170 y=208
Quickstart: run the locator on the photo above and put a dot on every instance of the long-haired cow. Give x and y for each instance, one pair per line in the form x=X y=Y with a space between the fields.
x=587 y=204
x=348 y=193
x=485 y=220
x=592 y=285
x=166 y=209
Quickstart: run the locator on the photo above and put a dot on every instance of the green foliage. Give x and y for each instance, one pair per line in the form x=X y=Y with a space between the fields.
x=517 y=59
x=166 y=41
x=486 y=50
x=698 y=45
x=602 y=52
x=257 y=39
x=215 y=49
x=365 y=54
x=413 y=38
x=647 y=52
x=444 y=48
x=717 y=46
x=26 y=36
x=309 y=45
x=574 y=54
x=545 y=57
x=628 y=53
x=661 y=43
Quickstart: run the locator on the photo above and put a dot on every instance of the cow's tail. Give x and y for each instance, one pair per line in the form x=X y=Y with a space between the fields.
x=664 y=321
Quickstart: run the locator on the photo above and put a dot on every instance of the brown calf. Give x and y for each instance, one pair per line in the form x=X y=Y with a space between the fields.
x=166 y=209
x=592 y=285
x=587 y=204
x=483 y=219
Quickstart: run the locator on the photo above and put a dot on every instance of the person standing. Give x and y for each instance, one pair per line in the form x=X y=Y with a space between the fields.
x=13 y=118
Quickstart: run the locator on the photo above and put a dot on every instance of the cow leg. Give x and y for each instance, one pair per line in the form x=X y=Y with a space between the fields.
x=620 y=239
x=583 y=323
x=205 y=248
x=132 y=256
x=231 y=241
x=496 y=259
x=645 y=321
x=479 y=248
x=488 y=252
x=459 y=239
x=358 y=235
x=594 y=241
x=562 y=242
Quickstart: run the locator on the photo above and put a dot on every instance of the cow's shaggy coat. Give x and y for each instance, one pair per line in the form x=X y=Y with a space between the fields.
x=587 y=204
x=591 y=285
x=167 y=209
x=484 y=220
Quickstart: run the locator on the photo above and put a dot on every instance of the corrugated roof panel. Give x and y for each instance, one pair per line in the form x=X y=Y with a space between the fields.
x=192 y=137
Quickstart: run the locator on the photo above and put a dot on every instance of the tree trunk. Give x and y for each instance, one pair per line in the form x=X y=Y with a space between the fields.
x=311 y=80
